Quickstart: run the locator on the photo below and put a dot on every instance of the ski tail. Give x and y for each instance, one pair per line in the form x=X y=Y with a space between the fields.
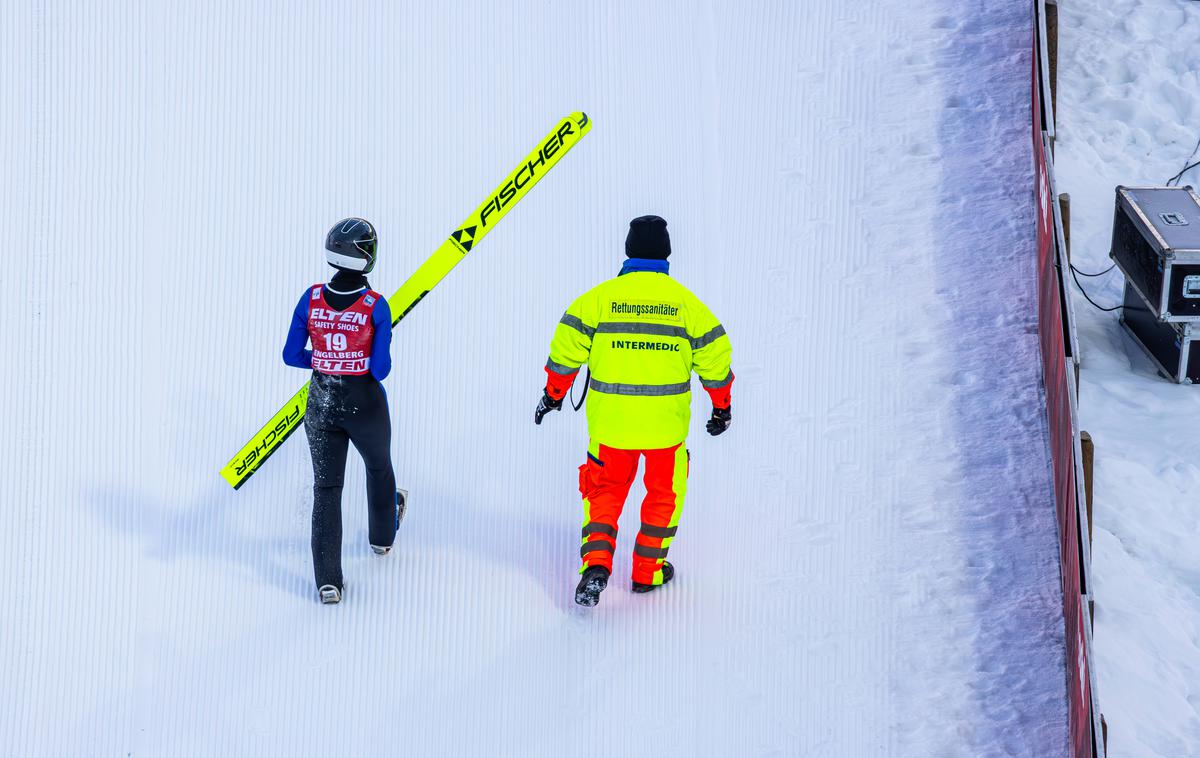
x=564 y=136
x=268 y=439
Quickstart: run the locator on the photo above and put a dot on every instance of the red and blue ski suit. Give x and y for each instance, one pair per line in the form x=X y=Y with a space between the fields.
x=350 y=327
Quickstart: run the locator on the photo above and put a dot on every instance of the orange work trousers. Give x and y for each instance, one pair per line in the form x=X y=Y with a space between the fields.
x=604 y=482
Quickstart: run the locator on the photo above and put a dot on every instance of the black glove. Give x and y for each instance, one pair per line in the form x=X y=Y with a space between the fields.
x=720 y=421
x=545 y=405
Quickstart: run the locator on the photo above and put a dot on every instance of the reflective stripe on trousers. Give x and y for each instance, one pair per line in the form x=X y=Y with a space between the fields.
x=604 y=483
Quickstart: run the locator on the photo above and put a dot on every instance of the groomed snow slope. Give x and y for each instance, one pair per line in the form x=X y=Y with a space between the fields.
x=867 y=562
x=1128 y=114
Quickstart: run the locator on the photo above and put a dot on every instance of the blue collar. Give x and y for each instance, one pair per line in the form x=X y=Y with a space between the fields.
x=644 y=264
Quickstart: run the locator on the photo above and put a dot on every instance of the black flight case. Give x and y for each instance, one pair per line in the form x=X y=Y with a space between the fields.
x=1156 y=244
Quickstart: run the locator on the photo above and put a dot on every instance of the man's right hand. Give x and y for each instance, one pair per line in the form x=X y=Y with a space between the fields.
x=720 y=421
x=545 y=405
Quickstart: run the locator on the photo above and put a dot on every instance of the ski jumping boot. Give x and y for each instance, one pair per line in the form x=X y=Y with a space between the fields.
x=330 y=595
x=593 y=582
x=668 y=574
x=401 y=505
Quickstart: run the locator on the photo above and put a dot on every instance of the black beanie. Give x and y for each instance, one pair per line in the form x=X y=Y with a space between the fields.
x=648 y=238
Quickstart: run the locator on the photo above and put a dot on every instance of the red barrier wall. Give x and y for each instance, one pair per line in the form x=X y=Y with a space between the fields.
x=1062 y=433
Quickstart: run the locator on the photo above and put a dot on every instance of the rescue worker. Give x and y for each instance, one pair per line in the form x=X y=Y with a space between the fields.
x=641 y=334
x=350 y=326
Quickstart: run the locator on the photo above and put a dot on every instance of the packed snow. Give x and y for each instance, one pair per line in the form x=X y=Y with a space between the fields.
x=1129 y=114
x=867 y=564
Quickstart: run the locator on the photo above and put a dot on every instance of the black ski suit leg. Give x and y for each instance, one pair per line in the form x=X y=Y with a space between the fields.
x=341 y=410
x=371 y=432
x=328 y=448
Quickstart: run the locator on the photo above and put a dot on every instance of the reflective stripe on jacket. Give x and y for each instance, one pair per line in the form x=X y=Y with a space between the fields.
x=641 y=334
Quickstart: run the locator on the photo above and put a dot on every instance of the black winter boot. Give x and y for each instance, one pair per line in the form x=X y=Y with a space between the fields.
x=668 y=574
x=591 y=584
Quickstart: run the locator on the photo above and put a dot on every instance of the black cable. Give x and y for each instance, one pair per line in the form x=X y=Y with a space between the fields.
x=1088 y=297
x=586 y=383
x=1179 y=176
x=1186 y=166
x=1102 y=273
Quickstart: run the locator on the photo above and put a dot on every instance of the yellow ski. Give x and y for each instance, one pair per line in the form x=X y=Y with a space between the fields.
x=565 y=135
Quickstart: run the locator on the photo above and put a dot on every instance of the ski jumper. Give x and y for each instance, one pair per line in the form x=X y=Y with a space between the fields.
x=642 y=335
x=350 y=328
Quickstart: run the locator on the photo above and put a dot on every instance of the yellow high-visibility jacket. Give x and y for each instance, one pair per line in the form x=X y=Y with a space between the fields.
x=641 y=334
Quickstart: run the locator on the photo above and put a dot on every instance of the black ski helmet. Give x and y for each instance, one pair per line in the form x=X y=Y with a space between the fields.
x=350 y=245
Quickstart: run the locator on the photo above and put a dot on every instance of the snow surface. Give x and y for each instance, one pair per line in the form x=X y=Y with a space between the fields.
x=1129 y=113
x=867 y=562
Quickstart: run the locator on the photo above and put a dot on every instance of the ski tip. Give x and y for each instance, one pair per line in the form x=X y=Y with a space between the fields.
x=581 y=120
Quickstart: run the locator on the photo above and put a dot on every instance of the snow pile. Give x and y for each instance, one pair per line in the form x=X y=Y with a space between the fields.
x=1129 y=113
